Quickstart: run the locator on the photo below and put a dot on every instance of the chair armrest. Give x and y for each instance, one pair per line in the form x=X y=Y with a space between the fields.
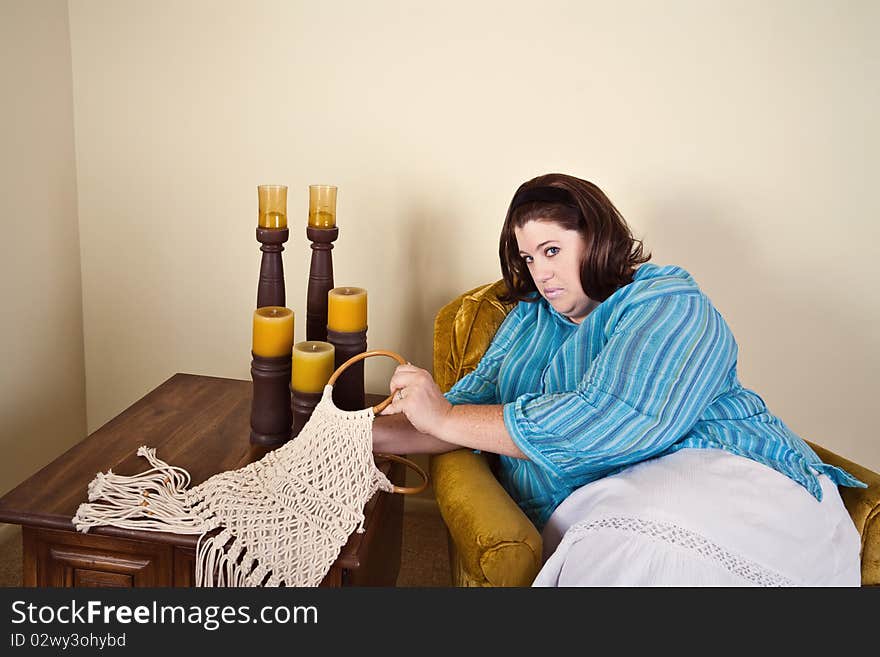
x=497 y=545
x=863 y=505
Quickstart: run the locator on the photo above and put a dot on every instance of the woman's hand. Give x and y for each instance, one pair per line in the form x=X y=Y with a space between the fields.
x=419 y=398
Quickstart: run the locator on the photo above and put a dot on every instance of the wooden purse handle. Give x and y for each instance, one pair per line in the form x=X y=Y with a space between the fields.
x=407 y=490
x=361 y=356
x=404 y=490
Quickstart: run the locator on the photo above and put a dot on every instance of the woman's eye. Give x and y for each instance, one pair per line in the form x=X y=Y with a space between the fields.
x=552 y=251
x=527 y=259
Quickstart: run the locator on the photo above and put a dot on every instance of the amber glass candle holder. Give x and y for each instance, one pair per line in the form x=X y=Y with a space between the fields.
x=273 y=206
x=322 y=206
x=272 y=233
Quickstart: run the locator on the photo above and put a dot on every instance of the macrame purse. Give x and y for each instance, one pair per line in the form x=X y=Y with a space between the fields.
x=279 y=521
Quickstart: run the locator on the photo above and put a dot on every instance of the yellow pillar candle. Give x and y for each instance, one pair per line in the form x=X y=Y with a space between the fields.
x=347 y=309
x=322 y=206
x=312 y=364
x=273 y=331
x=273 y=206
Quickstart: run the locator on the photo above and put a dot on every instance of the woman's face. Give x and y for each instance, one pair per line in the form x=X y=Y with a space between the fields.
x=554 y=256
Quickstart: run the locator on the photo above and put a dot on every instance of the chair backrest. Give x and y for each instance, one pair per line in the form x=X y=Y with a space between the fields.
x=463 y=330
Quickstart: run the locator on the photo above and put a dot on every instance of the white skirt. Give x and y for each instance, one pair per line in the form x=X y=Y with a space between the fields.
x=700 y=517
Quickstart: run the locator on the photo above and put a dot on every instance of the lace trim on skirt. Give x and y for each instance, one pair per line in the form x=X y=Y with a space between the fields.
x=689 y=540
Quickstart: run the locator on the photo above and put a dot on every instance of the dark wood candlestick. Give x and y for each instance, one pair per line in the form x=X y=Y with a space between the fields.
x=303 y=405
x=270 y=289
x=320 y=281
x=271 y=415
x=348 y=393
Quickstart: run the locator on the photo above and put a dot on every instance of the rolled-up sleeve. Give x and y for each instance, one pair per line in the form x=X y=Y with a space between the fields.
x=481 y=385
x=664 y=362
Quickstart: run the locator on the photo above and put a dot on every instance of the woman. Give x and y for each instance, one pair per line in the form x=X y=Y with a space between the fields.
x=610 y=393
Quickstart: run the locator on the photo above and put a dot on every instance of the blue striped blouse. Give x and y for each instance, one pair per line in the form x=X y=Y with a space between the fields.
x=651 y=370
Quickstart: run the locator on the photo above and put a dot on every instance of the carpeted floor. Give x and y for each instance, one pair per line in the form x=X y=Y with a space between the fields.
x=424 y=557
x=10 y=558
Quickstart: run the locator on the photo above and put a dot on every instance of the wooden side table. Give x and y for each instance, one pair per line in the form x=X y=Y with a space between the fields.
x=201 y=424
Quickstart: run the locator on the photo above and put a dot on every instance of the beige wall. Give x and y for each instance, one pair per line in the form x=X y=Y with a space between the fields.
x=738 y=138
x=42 y=378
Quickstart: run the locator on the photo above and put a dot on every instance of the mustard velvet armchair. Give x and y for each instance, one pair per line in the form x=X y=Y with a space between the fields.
x=491 y=541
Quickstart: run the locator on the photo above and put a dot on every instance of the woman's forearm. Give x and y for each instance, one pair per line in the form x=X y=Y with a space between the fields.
x=474 y=426
x=393 y=434
x=479 y=427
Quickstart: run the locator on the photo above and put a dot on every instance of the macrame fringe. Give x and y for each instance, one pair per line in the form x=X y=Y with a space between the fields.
x=155 y=500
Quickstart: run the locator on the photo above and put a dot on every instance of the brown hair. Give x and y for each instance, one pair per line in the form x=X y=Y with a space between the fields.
x=612 y=253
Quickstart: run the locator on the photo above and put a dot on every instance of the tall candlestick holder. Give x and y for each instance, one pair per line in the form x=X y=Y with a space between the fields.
x=270 y=289
x=271 y=415
x=320 y=281
x=272 y=233
x=348 y=393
